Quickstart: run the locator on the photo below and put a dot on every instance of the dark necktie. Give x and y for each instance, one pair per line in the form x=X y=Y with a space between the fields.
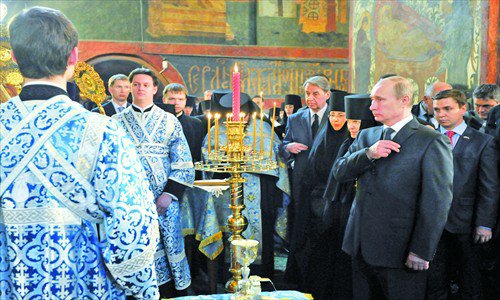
x=428 y=117
x=315 y=125
x=120 y=109
x=387 y=133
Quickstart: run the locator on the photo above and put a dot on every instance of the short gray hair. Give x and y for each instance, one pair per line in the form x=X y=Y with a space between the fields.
x=487 y=92
x=319 y=81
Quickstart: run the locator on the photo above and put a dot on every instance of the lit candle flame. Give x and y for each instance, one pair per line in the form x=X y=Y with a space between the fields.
x=235 y=68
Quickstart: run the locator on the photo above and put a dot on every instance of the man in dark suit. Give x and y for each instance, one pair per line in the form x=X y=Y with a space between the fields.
x=300 y=132
x=473 y=211
x=404 y=192
x=176 y=94
x=300 y=126
x=119 y=89
x=424 y=110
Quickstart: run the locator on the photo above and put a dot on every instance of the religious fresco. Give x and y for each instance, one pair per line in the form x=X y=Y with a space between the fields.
x=192 y=18
x=273 y=78
x=301 y=23
x=425 y=41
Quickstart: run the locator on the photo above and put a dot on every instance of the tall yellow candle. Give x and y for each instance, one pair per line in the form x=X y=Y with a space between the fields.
x=272 y=132
x=261 y=102
x=217 y=116
x=261 y=133
x=209 y=142
x=254 y=123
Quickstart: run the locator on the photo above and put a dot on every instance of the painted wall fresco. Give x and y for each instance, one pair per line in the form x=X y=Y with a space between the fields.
x=280 y=23
x=272 y=77
x=423 y=40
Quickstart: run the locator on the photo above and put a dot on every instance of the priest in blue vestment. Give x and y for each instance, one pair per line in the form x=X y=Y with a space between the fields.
x=77 y=218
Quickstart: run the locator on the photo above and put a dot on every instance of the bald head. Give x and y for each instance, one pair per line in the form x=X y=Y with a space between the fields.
x=431 y=91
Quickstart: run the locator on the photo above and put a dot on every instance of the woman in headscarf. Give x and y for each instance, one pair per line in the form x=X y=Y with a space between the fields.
x=309 y=247
x=338 y=199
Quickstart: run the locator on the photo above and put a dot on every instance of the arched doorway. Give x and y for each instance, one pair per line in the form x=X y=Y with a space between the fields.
x=109 y=65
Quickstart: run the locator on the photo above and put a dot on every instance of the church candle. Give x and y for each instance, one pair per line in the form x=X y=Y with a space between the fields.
x=209 y=142
x=261 y=133
x=272 y=132
x=261 y=102
x=254 y=123
x=236 y=93
x=216 y=142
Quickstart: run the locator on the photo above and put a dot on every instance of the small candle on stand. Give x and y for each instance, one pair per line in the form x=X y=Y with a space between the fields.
x=216 y=142
x=209 y=142
x=272 y=132
x=236 y=93
x=261 y=133
x=261 y=102
x=254 y=123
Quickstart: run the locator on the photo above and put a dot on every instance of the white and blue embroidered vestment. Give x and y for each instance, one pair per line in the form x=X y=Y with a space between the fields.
x=77 y=219
x=165 y=155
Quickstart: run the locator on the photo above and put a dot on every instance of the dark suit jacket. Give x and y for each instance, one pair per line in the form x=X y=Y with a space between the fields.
x=298 y=130
x=109 y=109
x=402 y=201
x=193 y=132
x=475 y=183
x=415 y=110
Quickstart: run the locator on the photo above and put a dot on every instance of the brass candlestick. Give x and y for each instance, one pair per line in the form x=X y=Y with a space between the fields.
x=235 y=158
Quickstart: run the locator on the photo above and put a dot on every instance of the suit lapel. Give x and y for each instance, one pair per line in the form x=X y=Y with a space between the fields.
x=112 y=108
x=463 y=141
x=306 y=124
x=405 y=132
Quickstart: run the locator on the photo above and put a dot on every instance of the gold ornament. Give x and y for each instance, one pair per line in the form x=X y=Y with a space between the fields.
x=4 y=54
x=14 y=77
x=90 y=84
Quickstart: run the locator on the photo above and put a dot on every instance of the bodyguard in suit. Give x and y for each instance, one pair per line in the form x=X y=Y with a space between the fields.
x=119 y=89
x=404 y=174
x=473 y=211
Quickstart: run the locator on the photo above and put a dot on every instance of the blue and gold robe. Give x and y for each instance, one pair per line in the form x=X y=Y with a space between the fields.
x=165 y=155
x=77 y=219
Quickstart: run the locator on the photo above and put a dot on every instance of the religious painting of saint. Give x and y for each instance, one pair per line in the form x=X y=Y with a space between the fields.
x=418 y=40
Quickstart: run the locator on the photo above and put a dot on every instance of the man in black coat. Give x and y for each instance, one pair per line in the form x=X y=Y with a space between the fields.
x=473 y=211
x=404 y=192
x=423 y=110
x=119 y=89
x=176 y=94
